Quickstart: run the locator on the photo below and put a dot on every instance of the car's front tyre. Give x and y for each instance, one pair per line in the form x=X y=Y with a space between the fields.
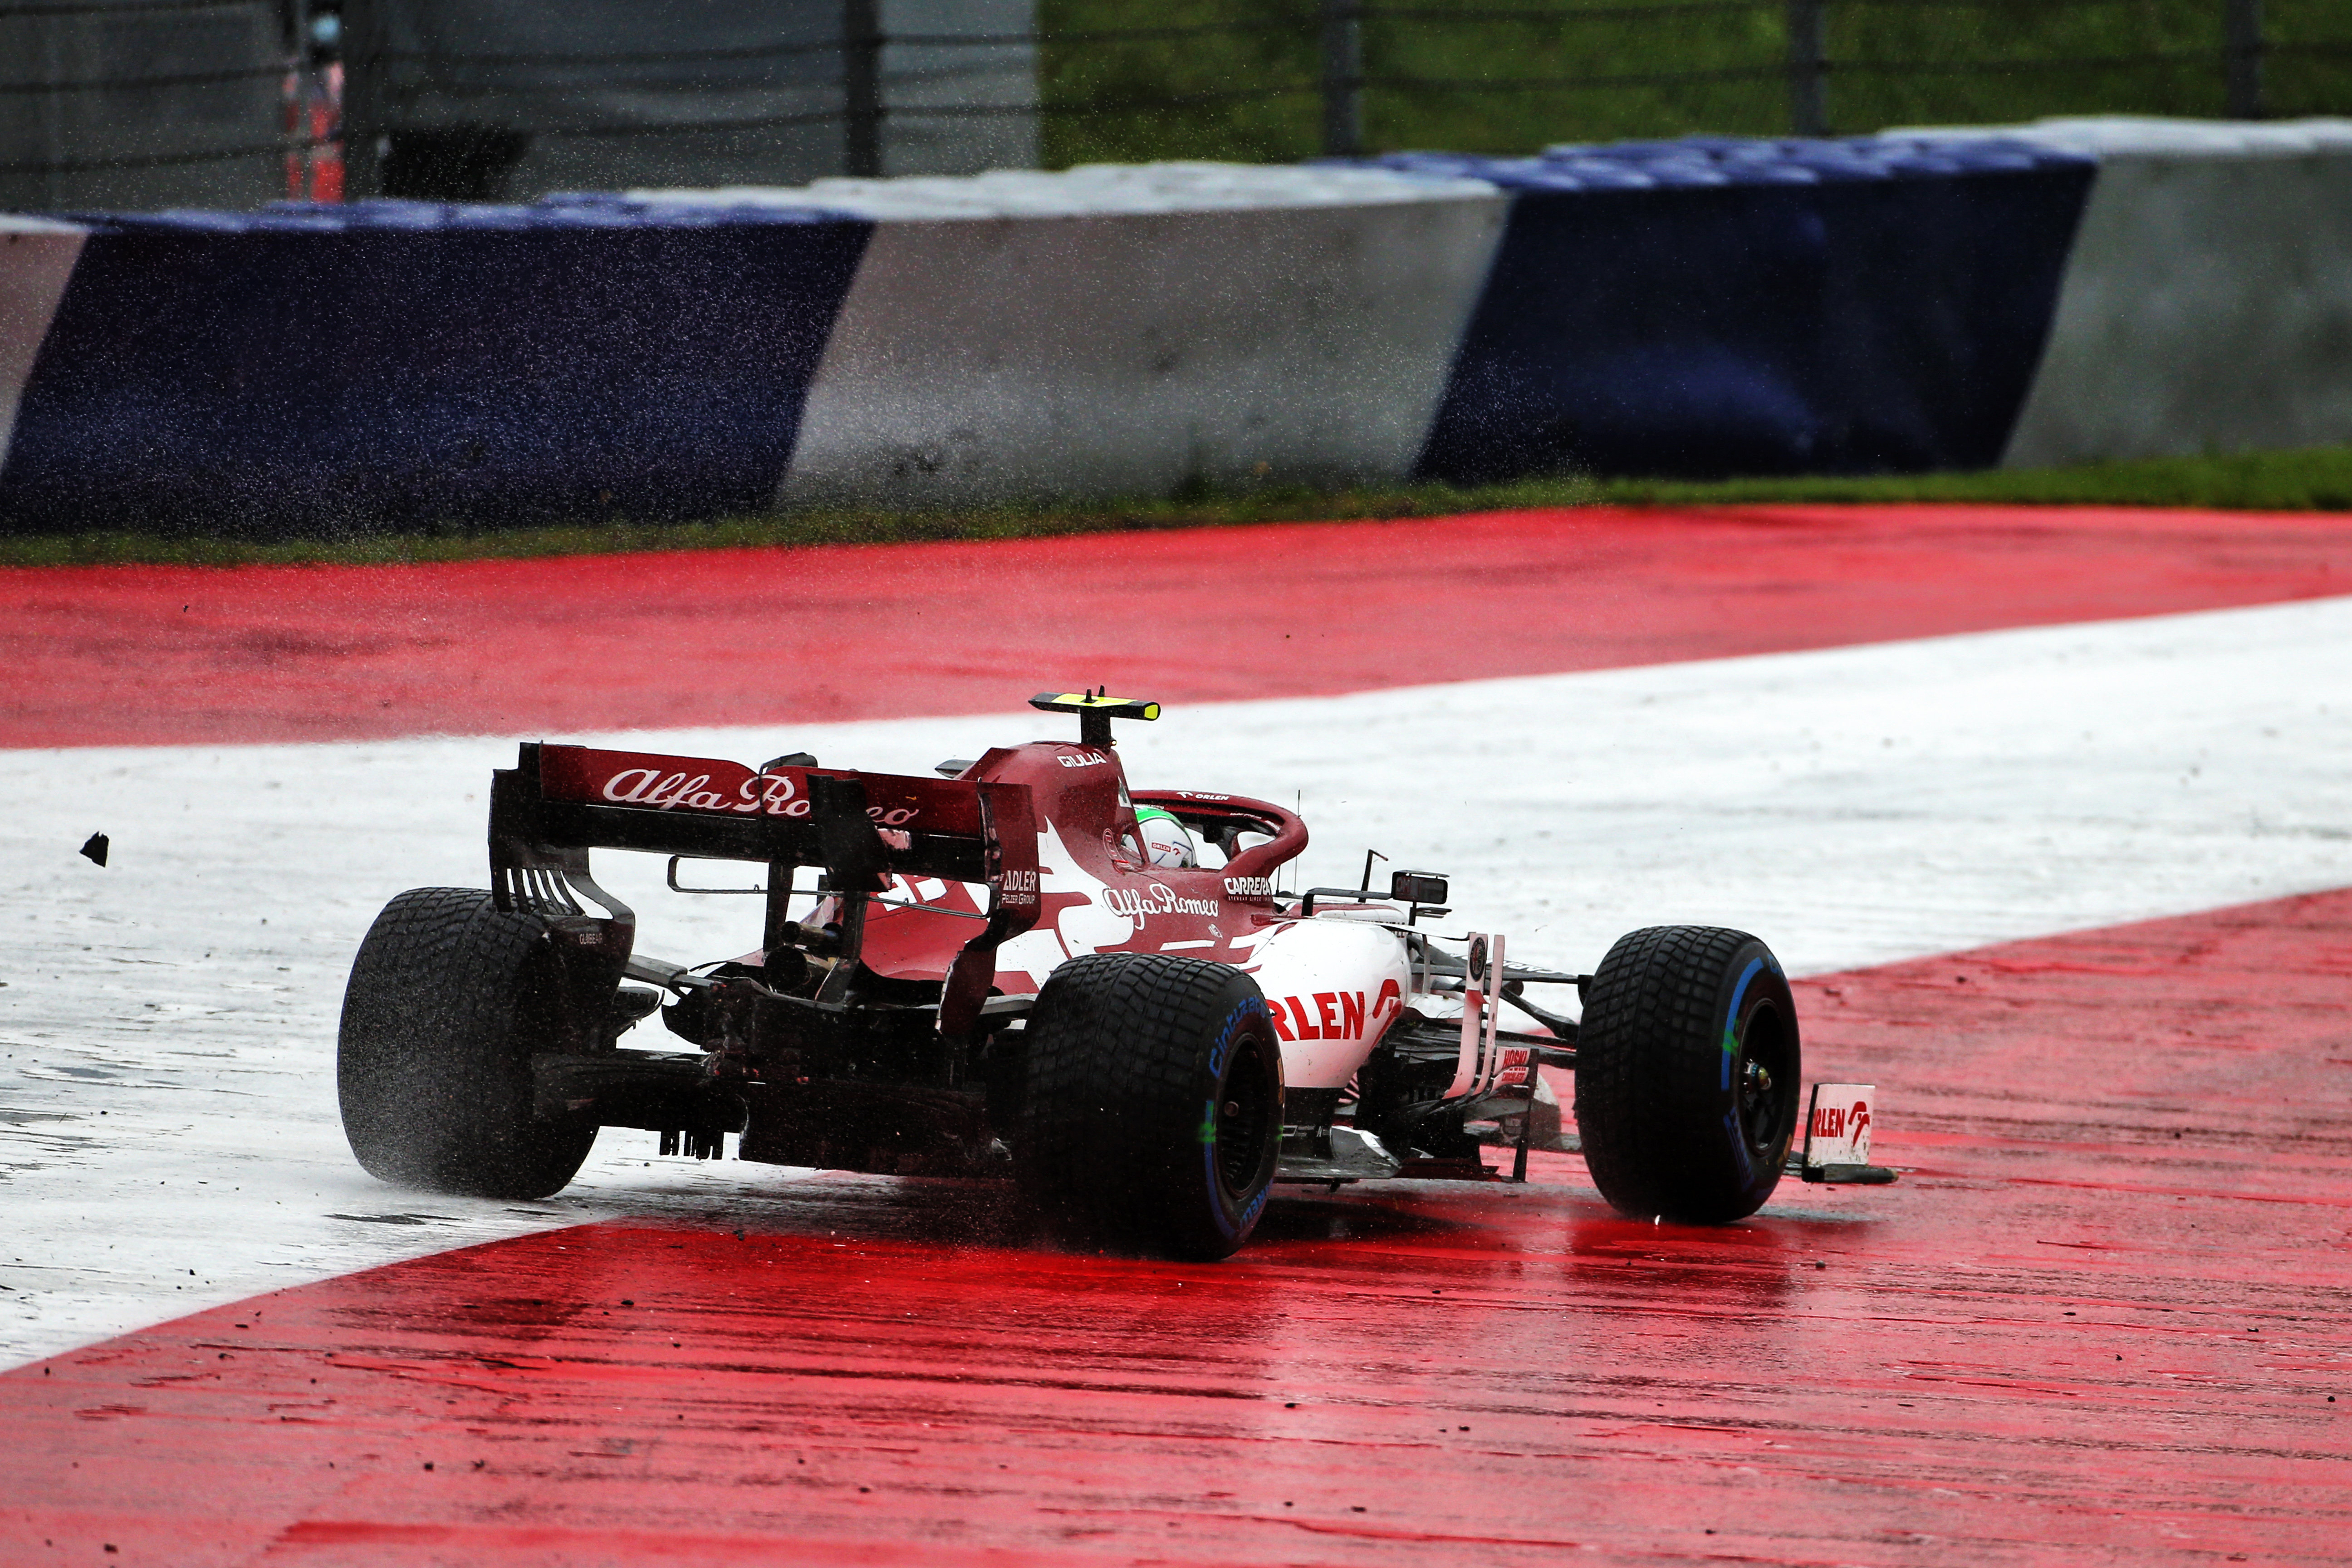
x=1686 y=1074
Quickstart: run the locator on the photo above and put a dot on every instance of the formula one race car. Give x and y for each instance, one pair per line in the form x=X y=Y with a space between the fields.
x=1022 y=967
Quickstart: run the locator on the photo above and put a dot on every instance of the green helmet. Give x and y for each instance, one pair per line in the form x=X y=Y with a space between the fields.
x=1167 y=843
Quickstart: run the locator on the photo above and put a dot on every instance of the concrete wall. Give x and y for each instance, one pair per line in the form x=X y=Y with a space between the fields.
x=2208 y=306
x=1705 y=306
x=1131 y=331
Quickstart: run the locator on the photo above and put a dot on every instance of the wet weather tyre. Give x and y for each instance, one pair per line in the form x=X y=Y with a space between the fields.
x=1151 y=1116
x=1686 y=1073
x=449 y=997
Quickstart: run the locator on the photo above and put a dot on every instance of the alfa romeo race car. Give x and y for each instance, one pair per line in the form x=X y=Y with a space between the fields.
x=1000 y=971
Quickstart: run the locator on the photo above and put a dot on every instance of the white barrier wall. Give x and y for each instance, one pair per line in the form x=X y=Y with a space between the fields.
x=37 y=257
x=1127 y=330
x=2208 y=304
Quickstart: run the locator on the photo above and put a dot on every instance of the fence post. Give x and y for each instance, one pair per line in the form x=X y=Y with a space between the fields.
x=1809 y=65
x=362 y=108
x=861 y=87
x=2244 y=33
x=1343 y=77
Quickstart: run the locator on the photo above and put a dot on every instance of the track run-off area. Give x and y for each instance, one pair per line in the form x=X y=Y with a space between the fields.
x=2046 y=806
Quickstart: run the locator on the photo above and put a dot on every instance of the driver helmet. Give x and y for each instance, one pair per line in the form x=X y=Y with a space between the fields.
x=1167 y=843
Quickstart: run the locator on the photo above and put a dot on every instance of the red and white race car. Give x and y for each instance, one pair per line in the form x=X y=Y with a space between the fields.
x=1025 y=967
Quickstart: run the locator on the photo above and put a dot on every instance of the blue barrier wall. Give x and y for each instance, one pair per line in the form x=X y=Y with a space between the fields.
x=1711 y=307
x=330 y=369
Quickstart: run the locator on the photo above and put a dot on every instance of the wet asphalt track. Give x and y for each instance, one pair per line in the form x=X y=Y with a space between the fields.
x=2102 y=1318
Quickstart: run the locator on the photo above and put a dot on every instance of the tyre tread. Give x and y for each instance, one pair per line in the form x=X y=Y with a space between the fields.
x=1649 y=1039
x=1114 y=1045
x=434 y=1091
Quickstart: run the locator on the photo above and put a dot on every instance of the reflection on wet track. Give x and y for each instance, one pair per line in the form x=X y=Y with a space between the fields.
x=2104 y=1317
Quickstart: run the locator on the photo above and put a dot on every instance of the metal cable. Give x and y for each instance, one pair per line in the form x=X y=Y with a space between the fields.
x=1566 y=14
x=1574 y=83
x=1109 y=106
x=108 y=84
x=687 y=127
x=1687 y=8
x=657 y=57
x=82 y=9
x=1995 y=67
x=164 y=160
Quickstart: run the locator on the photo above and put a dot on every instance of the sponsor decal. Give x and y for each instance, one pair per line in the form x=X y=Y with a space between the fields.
x=1256 y=1206
x=1250 y=887
x=1081 y=759
x=1839 y=1121
x=770 y=794
x=1018 y=888
x=651 y=786
x=1324 y=1015
x=1514 y=1075
x=1332 y=1014
x=1837 y=1124
x=1140 y=904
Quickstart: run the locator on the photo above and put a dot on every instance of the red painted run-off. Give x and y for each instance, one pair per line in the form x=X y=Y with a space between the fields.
x=136 y=655
x=2101 y=1320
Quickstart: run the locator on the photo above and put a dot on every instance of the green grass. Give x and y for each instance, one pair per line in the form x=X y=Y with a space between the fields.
x=2317 y=479
x=1961 y=62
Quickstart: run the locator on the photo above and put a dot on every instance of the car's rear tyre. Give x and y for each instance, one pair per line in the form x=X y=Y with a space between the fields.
x=1686 y=1074
x=1151 y=1116
x=449 y=997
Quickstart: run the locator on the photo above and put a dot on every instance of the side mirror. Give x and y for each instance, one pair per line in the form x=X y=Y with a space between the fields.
x=1417 y=887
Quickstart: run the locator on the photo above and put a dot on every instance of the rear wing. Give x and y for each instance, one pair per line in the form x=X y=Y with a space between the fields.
x=557 y=803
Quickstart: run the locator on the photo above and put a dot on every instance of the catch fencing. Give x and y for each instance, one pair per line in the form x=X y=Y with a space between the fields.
x=1465 y=75
x=186 y=104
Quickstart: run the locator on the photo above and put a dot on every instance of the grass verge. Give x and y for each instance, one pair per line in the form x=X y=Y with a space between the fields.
x=2314 y=479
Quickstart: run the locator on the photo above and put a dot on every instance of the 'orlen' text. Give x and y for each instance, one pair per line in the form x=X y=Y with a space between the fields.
x=1331 y=1014
x=1838 y=1122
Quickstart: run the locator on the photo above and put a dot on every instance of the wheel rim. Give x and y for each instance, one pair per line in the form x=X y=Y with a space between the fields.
x=1247 y=1117
x=1766 y=1077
